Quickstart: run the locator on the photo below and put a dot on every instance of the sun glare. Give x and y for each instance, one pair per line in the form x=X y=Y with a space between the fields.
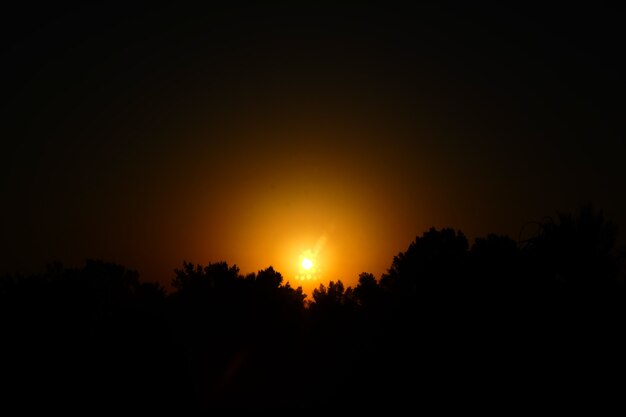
x=307 y=263
x=308 y=269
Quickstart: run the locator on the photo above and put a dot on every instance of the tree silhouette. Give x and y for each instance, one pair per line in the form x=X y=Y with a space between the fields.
x=333 y=298
x=88 y=338
x=435 y=259
x=578 y=250
x=367 y=293
x=445 y=321
x=231 y=326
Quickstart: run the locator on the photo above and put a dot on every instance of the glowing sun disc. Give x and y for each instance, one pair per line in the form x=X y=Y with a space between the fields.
x=307 y=263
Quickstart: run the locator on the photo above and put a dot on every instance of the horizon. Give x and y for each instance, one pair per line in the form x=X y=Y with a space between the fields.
x=252 y=134
x=308 y=285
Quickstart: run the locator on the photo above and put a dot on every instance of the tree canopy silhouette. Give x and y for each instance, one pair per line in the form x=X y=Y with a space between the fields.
x=444 y=314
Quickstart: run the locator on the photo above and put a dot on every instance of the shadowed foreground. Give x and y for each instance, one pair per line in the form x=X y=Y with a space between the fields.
x=501 y=323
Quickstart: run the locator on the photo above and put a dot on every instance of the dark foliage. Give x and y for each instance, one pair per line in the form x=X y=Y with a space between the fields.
x=448 y=324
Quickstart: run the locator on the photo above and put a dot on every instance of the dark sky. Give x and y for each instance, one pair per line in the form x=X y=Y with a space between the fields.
x=256 y=134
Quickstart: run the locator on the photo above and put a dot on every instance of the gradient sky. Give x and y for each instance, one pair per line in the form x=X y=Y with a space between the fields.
x=251 y=134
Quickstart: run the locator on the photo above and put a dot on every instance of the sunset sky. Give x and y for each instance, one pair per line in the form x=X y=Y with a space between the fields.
x=255 y=134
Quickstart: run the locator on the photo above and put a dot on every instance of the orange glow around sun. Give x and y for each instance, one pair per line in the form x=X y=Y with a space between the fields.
x=313 y=205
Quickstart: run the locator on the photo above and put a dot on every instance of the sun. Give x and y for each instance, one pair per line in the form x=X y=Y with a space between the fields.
x=307 y=264
x=308 y=268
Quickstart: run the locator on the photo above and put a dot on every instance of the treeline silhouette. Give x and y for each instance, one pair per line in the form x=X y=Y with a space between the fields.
x=448 y=325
